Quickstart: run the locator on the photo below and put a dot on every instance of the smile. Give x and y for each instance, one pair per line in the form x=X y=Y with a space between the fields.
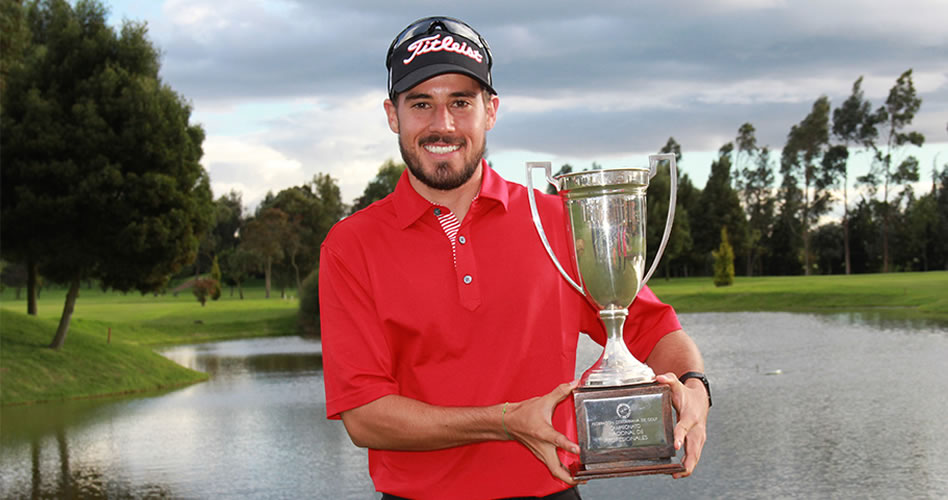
x=441 y=150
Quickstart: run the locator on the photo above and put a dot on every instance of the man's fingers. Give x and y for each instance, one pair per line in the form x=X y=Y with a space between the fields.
x=563 y=390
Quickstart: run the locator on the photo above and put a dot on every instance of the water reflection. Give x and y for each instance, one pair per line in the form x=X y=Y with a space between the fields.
x=256 y=429
x=856 y=412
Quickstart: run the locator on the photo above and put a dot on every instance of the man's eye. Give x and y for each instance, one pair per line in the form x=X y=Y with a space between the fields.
x=462 y=104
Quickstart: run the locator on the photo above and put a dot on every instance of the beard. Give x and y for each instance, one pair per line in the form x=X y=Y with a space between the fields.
x=443 y=178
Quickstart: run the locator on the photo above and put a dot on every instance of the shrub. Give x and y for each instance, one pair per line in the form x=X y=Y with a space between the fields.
x=204 y=288
x=308 y=316
x=723 y=262
x=216 y=276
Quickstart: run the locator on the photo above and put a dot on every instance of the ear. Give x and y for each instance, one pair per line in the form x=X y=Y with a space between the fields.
x=492 y=106
x=392 y=114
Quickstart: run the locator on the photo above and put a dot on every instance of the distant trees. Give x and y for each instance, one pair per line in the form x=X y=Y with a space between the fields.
x=719 y=206
x=101 y=175
x=894 y=117
x=782 y=228
x=853 y=123
x=802 y=159
x=755 y=181
x=381 y=186
x=679 y=241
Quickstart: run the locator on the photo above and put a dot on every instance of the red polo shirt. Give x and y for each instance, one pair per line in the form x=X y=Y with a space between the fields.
x=399 y=316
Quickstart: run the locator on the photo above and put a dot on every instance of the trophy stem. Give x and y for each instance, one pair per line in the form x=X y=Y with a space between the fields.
x=617 y=366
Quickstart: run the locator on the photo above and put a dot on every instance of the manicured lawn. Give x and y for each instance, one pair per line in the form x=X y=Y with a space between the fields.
x=902 y=295
x=89 y=364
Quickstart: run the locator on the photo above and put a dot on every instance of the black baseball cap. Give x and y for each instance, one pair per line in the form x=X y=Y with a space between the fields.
x=434 y=46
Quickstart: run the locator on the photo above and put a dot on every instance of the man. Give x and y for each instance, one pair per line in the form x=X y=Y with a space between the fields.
x=449 y=338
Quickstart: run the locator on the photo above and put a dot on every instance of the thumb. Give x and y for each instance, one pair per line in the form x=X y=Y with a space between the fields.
x=563 y=390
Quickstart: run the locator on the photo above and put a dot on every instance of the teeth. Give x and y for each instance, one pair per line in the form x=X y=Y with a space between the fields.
x=441 y=150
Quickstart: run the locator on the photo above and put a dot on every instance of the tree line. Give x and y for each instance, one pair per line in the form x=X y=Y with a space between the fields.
x=788 y=228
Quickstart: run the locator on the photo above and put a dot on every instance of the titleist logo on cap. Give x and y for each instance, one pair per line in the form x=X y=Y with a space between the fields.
x=434 y=44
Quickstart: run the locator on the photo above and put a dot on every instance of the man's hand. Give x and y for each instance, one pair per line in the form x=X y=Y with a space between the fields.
x=691 y=402
x=531 y=423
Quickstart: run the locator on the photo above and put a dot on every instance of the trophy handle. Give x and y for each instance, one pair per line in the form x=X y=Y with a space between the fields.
x=672 y=199
x=547 y=166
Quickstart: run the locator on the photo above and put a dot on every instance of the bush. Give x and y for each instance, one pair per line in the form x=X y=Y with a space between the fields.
x=204 y=288
x=308 y=316
x=723 y=262
x=216 y=276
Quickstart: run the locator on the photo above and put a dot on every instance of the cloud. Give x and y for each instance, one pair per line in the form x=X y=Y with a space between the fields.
x=250 y=168
x=345 y=137
x=300 y=83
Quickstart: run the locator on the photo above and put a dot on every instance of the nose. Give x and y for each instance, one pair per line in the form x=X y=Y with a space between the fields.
x=443 y=120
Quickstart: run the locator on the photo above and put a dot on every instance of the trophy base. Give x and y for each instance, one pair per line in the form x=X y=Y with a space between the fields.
x=624 y=469
x=624 y=431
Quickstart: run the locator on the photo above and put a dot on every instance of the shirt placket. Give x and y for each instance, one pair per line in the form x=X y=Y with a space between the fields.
x=462 y=248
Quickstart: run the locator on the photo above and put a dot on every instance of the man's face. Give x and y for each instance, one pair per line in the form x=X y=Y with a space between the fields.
x=442 y=126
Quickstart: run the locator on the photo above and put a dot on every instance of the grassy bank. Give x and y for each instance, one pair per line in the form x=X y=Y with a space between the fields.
x=899 y=295
x=86 y=367
x=93 y=363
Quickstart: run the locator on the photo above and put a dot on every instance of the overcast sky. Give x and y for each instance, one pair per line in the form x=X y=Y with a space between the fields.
x=286 y=89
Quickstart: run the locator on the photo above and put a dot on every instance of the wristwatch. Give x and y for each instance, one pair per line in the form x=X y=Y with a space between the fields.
x=700 y=376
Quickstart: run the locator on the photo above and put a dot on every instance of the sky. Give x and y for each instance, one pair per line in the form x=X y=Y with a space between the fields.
x=291 y=88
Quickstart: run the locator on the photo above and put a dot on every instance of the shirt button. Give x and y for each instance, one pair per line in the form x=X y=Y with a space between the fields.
x=437 y=212
x=468 y=279
x=462 y=240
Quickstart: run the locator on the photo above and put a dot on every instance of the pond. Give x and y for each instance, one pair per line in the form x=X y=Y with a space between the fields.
x=805 y=406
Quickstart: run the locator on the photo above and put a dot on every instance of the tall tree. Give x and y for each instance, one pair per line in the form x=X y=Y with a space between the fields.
x=331 y=208
x=101 y=176
x=381 y=186
x=785 y=244
x=15 y=39
x=264 y=236
x=854 y=123
x=755 y=184
x=746 y=147
x=920 y=229
x=802 y=159
x=679 y=241
x=689 y=200
x=719 y=207
x=895 y=116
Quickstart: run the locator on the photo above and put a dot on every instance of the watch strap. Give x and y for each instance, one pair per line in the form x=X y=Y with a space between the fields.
x=700 y=376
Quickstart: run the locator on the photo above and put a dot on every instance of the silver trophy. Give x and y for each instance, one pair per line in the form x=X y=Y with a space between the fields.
x=624 y=420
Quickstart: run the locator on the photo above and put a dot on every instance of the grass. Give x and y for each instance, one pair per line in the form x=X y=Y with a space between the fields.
x=91 y=363
x=86 y=367
x=899 y=295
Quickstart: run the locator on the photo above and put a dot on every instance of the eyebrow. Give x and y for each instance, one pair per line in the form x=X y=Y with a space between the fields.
x=414 y=96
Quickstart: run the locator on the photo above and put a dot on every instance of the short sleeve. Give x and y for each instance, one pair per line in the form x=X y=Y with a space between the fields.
x=357 y=361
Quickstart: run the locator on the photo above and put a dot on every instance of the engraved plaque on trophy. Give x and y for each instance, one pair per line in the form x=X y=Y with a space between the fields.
x=624 y=419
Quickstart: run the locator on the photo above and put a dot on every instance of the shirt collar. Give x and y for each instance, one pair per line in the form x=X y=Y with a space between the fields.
x=410 y=206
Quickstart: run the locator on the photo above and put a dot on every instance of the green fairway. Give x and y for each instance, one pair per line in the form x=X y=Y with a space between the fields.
x=90 y=364
x=899 y=295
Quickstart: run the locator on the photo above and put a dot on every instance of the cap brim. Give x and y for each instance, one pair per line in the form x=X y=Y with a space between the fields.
x=433 y=70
